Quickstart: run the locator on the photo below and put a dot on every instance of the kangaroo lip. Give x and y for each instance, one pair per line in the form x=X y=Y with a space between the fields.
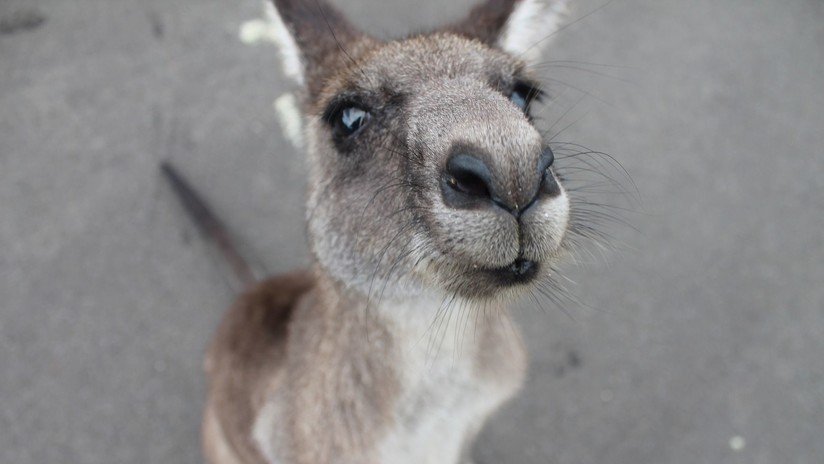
x=521 y=271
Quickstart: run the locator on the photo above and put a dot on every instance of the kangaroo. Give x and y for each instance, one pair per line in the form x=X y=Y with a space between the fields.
x=432 y=204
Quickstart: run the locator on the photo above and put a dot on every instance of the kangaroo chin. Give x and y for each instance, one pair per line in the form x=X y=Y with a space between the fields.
x=433 y=202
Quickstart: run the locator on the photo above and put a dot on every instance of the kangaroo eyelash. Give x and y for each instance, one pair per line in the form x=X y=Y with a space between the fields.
x=530 y=90
x=337 y=105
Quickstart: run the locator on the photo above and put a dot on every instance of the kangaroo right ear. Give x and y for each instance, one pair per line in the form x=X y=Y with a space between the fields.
x=310 y=34
x=519 y=27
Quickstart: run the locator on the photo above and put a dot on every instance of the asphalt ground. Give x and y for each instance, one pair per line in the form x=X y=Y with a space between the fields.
x=697 y=336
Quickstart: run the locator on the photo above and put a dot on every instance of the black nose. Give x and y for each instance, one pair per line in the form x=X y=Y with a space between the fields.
x=469 y=182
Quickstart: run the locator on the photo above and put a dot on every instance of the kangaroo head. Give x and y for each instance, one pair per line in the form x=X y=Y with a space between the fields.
x=426 y=169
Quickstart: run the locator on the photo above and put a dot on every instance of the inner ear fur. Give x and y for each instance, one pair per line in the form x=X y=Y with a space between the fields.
x=318 y=30
x=519 y=27
x=486 y=21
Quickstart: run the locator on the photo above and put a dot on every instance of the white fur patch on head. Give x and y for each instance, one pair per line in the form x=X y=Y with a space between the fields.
x=255 y=31
x=268 y=431
x=530 y=26
x=290 y=118
x=272 y=29
x=290 y=54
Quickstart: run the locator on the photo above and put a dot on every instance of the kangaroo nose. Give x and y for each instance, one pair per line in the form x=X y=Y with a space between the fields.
x=469 y=182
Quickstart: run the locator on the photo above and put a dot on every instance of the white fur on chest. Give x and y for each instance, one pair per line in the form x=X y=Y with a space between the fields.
x=443 y=400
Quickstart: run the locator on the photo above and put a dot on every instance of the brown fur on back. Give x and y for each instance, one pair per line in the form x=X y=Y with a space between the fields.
x=249 y=347
x=302 y=346
x=260 y=354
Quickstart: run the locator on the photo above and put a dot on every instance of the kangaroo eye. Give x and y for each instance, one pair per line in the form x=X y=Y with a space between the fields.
x=519 y=98
x=351 y=119
x=524 y=94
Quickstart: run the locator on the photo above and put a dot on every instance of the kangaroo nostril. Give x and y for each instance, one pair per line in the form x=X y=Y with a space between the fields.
x=546 y=160
x=549 y=186
x=469 y=183
x=469 y=175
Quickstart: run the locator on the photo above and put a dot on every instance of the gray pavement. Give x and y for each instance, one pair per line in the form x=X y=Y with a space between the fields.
x=700 y=340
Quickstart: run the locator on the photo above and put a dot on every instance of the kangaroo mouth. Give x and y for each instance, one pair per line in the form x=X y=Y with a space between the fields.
x=521 y=271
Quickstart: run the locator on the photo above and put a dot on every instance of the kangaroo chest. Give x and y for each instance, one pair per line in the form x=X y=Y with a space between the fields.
x=450 y=385
x=450 y=375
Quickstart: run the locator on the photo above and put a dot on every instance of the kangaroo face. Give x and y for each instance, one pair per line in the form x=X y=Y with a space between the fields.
x=426 y=168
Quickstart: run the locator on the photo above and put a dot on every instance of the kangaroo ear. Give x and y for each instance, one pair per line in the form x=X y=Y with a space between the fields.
x=520 y=27
x=310 y=35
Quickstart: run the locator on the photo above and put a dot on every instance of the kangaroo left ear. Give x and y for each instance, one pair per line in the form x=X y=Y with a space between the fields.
x=520 y=27
x=311 y=34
